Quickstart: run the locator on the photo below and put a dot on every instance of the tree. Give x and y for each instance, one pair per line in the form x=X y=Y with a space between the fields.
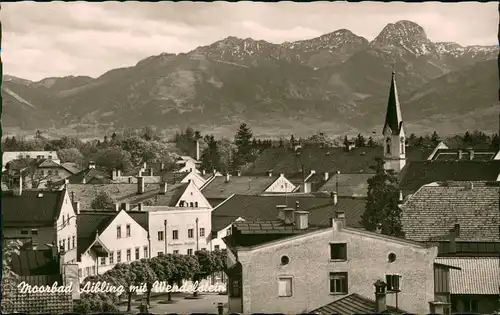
x=208 y=265
x=495 y=141
x=28 y=170
x=382 y=206
x=435 y=138
x=226 y=150
x=360 y=141
x=102 y=201
x=164 y=269
x=10 y=280
x=143 y=274
x=346 y=141
x=243 y=142
x=412 y=139
x=371 y=143
x=123 y=275
x=293 y=142
x=72 y=155
x=114 y=158
x=91 y=302
x=210 y=157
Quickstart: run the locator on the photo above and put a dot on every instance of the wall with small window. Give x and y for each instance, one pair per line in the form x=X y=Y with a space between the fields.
x=306 y=272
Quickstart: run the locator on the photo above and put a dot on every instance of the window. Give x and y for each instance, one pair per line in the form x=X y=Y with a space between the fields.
x=196 y=204
x=217 y=247
x=137 y=253
x=393 y=283
x=160 y=236
x=285 y=260
x=93 y=270
x=235 y=288
x=41 y=172
x=202 y=232
x=49 y=157
x=285 y=287
x=388 y=146
x=34 y=232
x=128 y=230
x=338 y=251
x=338 y=283
x=175 y=235
x=56 y=172
x=24 y=232
x=191 y=204
x=111 y=258
x=119 y=256
x=146 y=252
x=80 y=272
x=64 y=244
x=69 y=242
x=176 y=251
x=190 y=233
x=87 y=271
x=50 y=172
x=74 y=241
x=190 y=251
x=119 y=231
x=129 y=255
x=103 y=260
x=402 y=145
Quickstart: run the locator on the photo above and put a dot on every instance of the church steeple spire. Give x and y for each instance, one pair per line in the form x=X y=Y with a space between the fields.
x=393 y=117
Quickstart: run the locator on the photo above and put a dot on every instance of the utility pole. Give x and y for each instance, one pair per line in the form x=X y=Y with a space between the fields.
x=197 y=243
x=165 y=235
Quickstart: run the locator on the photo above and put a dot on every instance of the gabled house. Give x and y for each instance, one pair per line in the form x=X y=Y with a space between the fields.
x=219 y=188
x=336 y=266
x=41 y=219
x=187 y=164
x=38 y=155
x=257 y=208
x=106 y=238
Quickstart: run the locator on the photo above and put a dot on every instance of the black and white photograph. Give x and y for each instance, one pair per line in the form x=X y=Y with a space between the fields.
x=250 y=157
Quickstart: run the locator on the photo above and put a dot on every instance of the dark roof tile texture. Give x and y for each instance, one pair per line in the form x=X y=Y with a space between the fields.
x=219 y=187
x=354 y=304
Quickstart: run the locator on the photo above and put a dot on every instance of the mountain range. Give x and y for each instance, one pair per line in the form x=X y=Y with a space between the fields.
x=336 y=83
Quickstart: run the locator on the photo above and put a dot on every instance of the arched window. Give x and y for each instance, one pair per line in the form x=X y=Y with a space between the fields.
x=388 y=146
x=191 y=204
x=402 y=145
x=196 y=204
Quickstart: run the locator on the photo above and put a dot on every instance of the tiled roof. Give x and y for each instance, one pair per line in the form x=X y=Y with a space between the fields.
x=32 y=208
x=478 y=275
x=91 y=176
x=91 y=222
x=72 y=167
x=349 y=184
x=434 y=210
x=354 y=304
x=453 y=154
x=416 y=174
x=358 y=160
x=126 y=193
x=258 y=208
x=34 y=262
x=243 y=185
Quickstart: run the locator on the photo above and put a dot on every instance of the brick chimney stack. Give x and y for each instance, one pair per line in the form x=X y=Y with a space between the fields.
x=380 y=297
x=140 y=185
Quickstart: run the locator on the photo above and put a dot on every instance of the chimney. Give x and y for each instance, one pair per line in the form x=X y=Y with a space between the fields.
x=380 y=297
x=163 y=188
x=313 y=172
x=116 y=206
x=280 y=212
x=140 y=185
x=126 y=206
x=471 y=154
x=162 y=166
x=401 y=198
x=460 y=154
x=289 y=215
x=327 y=176
x=84 y=180
x=335 y=198
x=227 y=177
x=113 y=175
x=339 y=220
x=18 y=188
x=197 y=150
x=91 y=164
x=140 y=207
x=270 y=173
x=118 y=173
x=203 y=172
x=144 y=166
x=301 y=219
x=456 y=230
x=66 y=181
x=76 y=207
x=238 y=173
x=140 y=172
x=151 y=172
x=215 y=171
x=297 y=205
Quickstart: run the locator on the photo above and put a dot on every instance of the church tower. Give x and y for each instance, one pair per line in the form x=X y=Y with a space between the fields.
x=394 y=134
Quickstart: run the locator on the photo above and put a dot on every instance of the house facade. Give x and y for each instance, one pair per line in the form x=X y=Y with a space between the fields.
x=41 y=220
x=273 y=275
x=178 y=230
x=107 y=238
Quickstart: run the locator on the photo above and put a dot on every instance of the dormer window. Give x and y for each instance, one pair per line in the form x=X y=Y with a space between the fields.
x=388 y=146
x=402 y=145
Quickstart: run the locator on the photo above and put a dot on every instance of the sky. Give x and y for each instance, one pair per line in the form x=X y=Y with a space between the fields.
x=57 y=39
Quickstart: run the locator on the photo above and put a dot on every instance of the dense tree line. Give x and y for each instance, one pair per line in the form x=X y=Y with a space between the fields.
x=171 y=268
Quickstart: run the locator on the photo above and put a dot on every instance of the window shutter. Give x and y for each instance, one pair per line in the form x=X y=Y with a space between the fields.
x=282 y=287
x=388 y=281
